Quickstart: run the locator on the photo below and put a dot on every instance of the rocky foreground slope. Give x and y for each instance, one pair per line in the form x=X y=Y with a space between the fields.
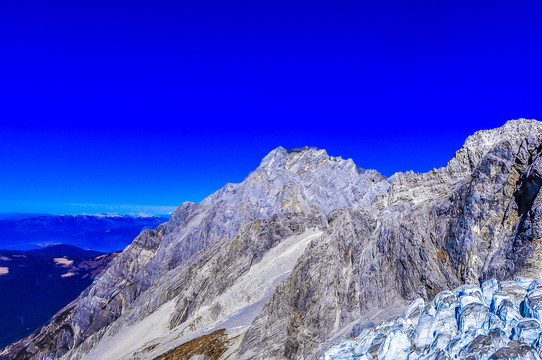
x=307 y=247
x=499 y=320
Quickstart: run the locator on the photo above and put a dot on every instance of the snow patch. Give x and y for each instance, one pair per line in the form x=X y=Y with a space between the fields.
x=260 y=281
x=150 y=328
x=63 y=261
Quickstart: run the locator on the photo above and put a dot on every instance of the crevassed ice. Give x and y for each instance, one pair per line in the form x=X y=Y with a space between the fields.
x=500 y=320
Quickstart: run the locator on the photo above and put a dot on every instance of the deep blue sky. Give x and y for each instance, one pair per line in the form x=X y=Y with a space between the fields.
x=153 y=103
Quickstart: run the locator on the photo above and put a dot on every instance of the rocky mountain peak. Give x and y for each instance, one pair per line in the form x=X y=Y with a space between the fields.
x=307 y=160
x=295 y=158
x=517 y=138
x=481 y=142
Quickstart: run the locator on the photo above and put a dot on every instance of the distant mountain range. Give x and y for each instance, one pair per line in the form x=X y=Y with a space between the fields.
x=103 y=232
x=35 y=284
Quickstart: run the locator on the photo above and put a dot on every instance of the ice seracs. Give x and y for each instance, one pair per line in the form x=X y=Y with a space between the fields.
x=494 y=321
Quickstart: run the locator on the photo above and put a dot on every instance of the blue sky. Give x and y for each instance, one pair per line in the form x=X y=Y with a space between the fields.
x=151 y=103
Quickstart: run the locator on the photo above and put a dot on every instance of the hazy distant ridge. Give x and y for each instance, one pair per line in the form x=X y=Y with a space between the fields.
x=100 y=232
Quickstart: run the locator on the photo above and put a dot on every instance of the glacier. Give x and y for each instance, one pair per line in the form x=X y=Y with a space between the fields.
x=499 y=320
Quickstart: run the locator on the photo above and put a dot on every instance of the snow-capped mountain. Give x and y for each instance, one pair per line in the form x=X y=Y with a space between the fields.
x=304 y=250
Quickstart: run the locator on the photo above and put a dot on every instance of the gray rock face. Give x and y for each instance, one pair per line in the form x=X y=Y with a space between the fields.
x=470 y=221
x=287 y=181
x=223 y=286
x=384 y=241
